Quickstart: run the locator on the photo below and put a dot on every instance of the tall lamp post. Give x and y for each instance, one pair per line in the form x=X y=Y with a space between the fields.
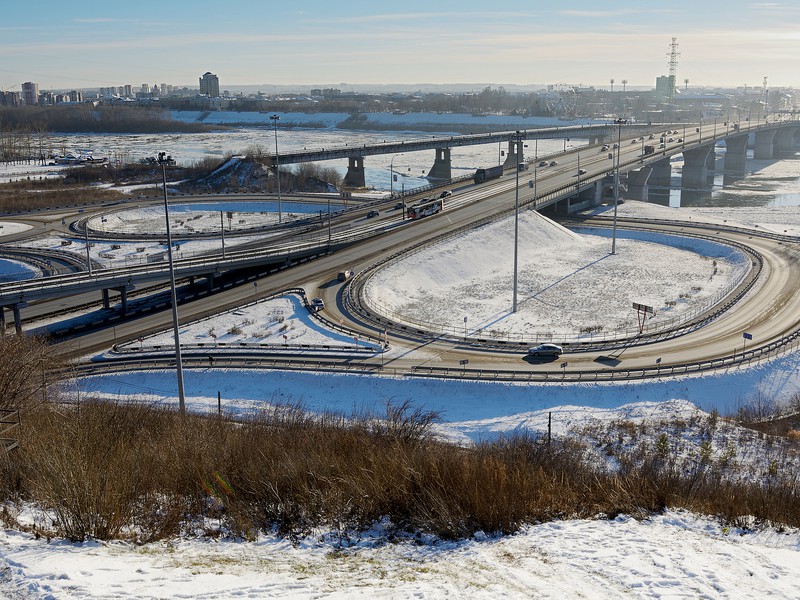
x=163 y=159
x=616 y=188
x=516 y=223
x=391 y=175
x=275 y=119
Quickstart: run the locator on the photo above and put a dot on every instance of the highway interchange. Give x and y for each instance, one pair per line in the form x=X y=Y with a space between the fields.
x=768 y=310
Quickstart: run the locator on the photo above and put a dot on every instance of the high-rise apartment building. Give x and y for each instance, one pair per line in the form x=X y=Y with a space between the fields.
x=30 y=93
x=209 y=85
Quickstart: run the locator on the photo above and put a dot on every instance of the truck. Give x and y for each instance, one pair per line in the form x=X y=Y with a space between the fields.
x=482 y=175
x=649 y=149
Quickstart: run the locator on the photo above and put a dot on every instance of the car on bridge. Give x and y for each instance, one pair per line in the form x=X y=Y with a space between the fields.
x=317 y=304
x=373 y=213
x=543 y=163
x=549 y=350
x=445 y=194
x=553 y=163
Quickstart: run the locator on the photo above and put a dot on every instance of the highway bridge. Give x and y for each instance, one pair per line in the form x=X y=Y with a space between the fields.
x=516 y=141
x=574 y=182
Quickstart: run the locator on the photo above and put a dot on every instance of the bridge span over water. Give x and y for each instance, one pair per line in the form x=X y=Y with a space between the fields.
x=516 y=142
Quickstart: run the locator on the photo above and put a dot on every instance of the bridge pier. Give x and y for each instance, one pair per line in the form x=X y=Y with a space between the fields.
x=695 y=169
x=764 y=149
x=106 y=301
x=661 y=174
x=637 y=184
x=711 y=159
x=735 y=155
x=355 y=172
x=441 y=166
x=514 y=155
x=2 y=320
x=784 y=142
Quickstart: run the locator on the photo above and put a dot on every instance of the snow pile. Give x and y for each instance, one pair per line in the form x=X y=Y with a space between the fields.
x=569 y=284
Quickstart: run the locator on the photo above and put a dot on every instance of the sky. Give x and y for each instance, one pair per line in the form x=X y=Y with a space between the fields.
x=86 y=44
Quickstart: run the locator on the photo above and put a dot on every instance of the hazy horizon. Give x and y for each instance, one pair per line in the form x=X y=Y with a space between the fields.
x=78 y=45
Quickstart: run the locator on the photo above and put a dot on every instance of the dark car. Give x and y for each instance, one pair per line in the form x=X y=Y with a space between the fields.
x=545 y=350
x=373 y=213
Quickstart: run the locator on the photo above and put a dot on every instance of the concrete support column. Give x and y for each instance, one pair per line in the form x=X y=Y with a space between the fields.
x=695 y=171
x=637 y=184
x=17 y=318
x=441 y=166
x=2 y=320
x=661 y=174
x=765 y=149
x=514 y=154
x=355 y=172
x=784 y=142
x=106 y=302
x=736 y=155
x=210 y=282
x=123 y=300
x=711 y=159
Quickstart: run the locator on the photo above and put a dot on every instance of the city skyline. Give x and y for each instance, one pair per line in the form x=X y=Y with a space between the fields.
x=73 y=45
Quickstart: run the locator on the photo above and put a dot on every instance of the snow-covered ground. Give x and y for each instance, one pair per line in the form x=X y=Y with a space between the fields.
x=569 y=283
x=674 y=555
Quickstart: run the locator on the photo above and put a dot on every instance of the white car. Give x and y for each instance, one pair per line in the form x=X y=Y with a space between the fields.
x=553 y=350
x=317 y=304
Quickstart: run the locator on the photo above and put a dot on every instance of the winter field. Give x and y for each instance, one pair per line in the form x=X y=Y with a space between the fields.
x=671 y=555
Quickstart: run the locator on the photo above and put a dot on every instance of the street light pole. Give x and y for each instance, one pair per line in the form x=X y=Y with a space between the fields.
x=391 y=175
x=163 y=159
x=275 y=119
x=516 y=224
x=616 y=188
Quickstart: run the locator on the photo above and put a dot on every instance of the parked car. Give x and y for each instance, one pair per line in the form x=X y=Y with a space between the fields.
x=545 y=350
x=373 y=213
x=317 y=304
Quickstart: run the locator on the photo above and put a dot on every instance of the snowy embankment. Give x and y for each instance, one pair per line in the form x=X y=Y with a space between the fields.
x=674 y=555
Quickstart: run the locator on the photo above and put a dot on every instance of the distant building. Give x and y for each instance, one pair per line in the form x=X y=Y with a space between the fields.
x=209 y=85
x=145 y=89
x=30 y=93
x=665 y=86
x=128 y=91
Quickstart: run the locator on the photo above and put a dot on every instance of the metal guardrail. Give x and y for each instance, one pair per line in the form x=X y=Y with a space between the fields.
x=9 y=423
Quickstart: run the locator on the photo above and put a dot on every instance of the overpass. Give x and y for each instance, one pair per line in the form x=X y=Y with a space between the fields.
x=576 y=183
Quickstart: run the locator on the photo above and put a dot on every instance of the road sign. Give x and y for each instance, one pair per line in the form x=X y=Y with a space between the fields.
x=644 y=308
x=564 y=365
x=747 y=336
x=463 y=362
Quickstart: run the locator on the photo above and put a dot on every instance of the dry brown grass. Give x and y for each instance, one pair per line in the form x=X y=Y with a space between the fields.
x=144 y=472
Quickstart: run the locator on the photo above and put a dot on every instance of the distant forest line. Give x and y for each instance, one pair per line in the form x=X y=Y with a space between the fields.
x=87 y=118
